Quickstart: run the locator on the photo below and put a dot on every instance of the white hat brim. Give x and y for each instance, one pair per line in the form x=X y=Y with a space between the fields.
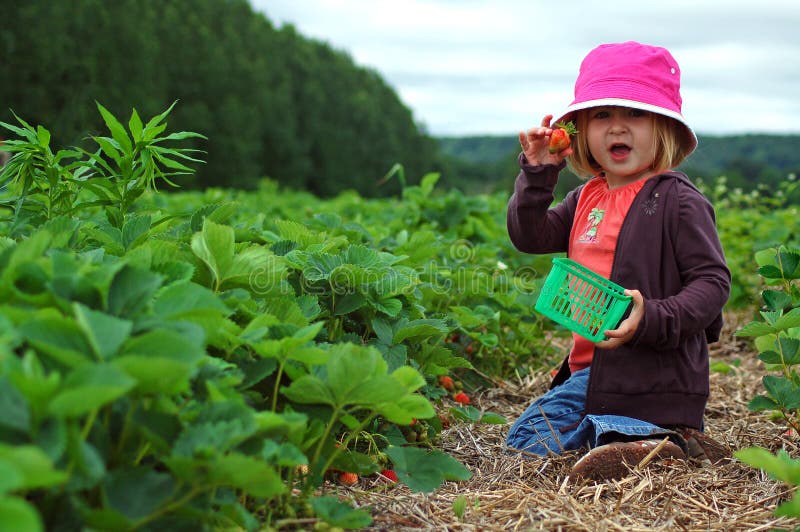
x=691 y=138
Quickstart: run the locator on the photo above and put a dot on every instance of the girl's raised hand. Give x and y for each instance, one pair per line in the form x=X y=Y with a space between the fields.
x=534 y=144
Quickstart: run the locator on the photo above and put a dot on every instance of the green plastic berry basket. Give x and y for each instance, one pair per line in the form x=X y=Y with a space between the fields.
x=580 y=300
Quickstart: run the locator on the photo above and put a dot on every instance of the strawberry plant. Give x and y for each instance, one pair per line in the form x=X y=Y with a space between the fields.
x=203 y=367
x=777 y=339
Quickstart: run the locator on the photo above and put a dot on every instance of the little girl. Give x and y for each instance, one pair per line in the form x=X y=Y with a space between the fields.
x=647 y=228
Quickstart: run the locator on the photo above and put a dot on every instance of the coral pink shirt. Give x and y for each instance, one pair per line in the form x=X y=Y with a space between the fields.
x=593 y=240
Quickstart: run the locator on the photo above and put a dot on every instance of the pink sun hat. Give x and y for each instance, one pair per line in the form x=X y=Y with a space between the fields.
x=631 y=74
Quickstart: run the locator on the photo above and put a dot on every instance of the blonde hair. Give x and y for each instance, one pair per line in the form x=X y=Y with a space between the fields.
x=669 y=150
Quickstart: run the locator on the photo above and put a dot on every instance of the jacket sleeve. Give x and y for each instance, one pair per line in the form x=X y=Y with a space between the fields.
x=532 y=226
x=705 y=279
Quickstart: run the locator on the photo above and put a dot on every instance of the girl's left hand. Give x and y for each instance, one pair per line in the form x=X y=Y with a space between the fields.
x=627 y=328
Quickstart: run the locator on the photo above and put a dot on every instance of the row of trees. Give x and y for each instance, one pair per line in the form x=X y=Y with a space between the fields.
x=271 y=101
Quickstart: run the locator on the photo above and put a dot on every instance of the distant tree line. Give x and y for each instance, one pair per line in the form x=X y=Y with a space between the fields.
x=271 y=102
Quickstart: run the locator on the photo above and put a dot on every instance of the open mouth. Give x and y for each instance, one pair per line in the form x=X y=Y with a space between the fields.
x=620 y=149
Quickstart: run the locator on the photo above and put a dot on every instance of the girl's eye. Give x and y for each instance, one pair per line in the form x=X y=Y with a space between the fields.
x=635 y=113
x=600 y=114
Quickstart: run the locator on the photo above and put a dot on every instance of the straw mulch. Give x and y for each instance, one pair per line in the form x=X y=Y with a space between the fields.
x=509 y=491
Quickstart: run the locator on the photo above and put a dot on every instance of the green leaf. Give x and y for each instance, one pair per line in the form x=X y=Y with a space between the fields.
x=789 y=320
x=355 y=372
x=347 y=303
x=214 y=245
x=309 y=390
x=17 y=514
x=771 y=316
x=14 y=409
x=219 y=428
x=89 y=387
x=469 y=414
x=770 y=272
x=410 y=378
x=117 y=130
x=391 y=306
x=784 y=391
x=790 y=348
x=251 y=475
x=405 y=409
x=104 y=332
x=89 y=465
x=790 y=508
x=378 y=389
x=425 y=471
x=766 y=256
x=34 y=466
x=161 y=360
x=137 y=492
x=131 y=291
x=780 y=466
x=417 y=329
x=762 y=402
x=459 y=506
x=11 y=478
x=135 y=126
x=382 y=330
x=755 y=328
x=134 y=229
x=491 y=418
x=776 y=299
x=178 y=299
x=789 y=261
x=339 y=514
x=60 y=338
x=489 y=340
x=771 y=357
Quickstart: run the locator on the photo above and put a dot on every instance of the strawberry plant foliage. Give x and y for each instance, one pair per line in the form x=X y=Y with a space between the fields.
x=214 y=358
x=777 y=339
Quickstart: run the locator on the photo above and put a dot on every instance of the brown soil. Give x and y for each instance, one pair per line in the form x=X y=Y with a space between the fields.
x=509 y=491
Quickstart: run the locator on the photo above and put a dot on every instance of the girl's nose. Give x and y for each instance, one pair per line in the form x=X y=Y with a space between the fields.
x=618 y=123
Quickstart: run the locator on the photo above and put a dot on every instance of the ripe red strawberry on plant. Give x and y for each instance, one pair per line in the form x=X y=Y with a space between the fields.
x=462 y=398
x=560 y=137
x=389 y=474
x=348 y=479
x=446 y=383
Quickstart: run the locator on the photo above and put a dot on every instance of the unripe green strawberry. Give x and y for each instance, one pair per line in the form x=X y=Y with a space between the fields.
x=560 y=137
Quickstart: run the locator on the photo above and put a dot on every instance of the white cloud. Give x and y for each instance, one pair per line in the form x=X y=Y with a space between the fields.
x=481 y=66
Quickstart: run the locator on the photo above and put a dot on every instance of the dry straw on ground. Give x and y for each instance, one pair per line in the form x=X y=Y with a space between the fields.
x=509 y=491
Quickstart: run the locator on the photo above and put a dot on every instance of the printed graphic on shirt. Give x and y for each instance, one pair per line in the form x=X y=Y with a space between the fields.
x=594 y=218
x=650 y=205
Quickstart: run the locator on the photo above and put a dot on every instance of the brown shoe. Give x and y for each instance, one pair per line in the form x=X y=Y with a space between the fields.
x=702 y=448
x=615 y=460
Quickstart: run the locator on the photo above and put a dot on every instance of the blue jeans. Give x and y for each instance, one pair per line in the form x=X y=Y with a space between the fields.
x=556 y=423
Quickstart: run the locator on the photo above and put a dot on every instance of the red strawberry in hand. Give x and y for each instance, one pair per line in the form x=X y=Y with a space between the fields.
x=560 y=137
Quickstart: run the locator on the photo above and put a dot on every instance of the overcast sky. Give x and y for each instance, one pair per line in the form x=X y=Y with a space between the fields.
x=496 y=66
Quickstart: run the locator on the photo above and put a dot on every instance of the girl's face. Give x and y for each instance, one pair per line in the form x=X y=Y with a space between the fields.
x=622 y=141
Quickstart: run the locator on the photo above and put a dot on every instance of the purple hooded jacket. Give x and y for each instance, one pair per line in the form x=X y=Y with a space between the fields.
x=668 y=249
